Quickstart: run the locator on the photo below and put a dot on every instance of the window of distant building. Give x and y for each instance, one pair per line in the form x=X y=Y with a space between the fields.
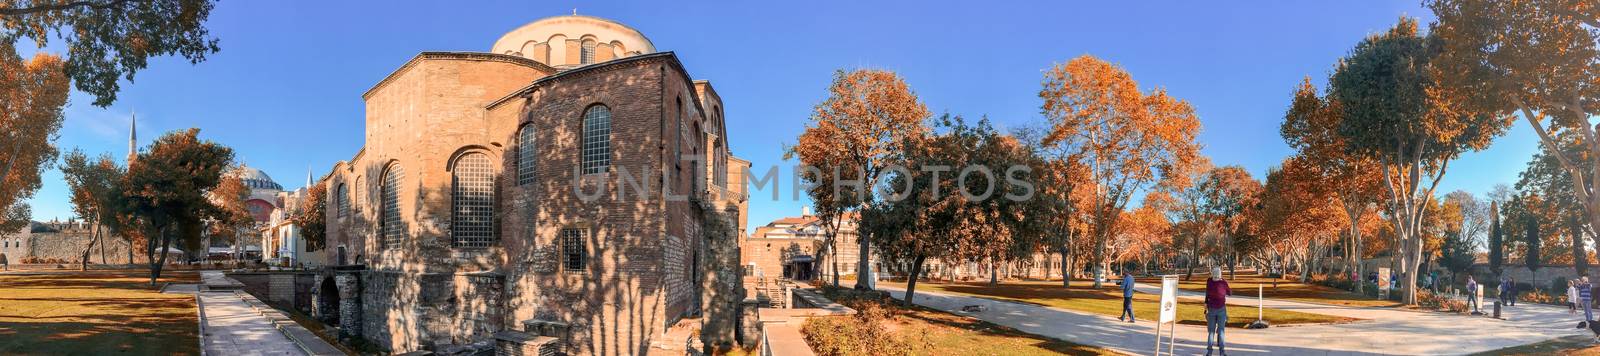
x=596 y=144
x=389 y=206
x=525 y=155
x=472 y=201
x=573 y=250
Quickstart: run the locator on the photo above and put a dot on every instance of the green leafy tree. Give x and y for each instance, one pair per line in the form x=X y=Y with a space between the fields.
x=168 y=187
x=1531 y=257
x=95 y=186
x=110 y=40
x=1497 y=246
x=1456 y=254
x=1396 y=113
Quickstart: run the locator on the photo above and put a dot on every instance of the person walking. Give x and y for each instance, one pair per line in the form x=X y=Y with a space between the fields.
x=1127 y=297
x=1472 y=293
x=1586 y=297
x=1504 y=291
x=1216 y=310
x=1511 y=291
x=1572 y=298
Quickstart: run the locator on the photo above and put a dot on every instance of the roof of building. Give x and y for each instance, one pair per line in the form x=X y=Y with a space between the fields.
x=255 y=178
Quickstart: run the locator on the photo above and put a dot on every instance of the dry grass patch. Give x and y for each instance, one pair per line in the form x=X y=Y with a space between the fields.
x=95 y=313
x=1108 y=301
x=886 y=328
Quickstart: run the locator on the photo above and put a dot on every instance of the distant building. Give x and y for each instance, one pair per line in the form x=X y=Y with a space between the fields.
x=280 y=242
x=788 y=248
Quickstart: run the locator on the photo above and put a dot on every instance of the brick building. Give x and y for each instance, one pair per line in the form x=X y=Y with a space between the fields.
x=553 y=193
x=790 y=248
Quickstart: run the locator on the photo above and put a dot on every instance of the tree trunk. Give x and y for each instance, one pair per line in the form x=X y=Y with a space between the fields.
x=83 y=263
x=865 y=262
x=833 y=251
x=911 y=282
x=156 y=262
x=994 y=273
x=1580 y=259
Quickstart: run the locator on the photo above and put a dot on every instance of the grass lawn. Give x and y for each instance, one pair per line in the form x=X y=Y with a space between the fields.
x=95 y=313
x=1569 y=345
x=951 y=334
x=1286 y=289
x=1108 y=301
x=933 y=332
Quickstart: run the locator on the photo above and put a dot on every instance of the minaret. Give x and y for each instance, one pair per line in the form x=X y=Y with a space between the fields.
x=133 y=137
x=308 y=177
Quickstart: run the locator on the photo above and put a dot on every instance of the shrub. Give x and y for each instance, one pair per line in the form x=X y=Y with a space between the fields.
x=1559 y=284
x=1542 y=297
x=1438 y=301
x=865 y=333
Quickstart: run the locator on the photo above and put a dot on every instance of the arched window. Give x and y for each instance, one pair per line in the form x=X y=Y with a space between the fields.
x=586 y=53
x=359 y=195
x=525 y=155
x=389 y=206
x=596 y=144
x=342 y=198
x=472 y=201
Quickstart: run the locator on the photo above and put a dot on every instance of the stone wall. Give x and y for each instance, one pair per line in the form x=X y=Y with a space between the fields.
x=67 y=246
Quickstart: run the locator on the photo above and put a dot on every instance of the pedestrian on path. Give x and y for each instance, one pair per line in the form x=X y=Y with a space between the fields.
x=1505 y=290
x=1216 y=310
x=1586 y=296
x=1472 y=293
x=1572 y=298
x=1127 y=297
x=1511 y=291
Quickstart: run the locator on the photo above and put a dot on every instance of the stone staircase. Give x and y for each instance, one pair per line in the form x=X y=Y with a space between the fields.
x=537 y=338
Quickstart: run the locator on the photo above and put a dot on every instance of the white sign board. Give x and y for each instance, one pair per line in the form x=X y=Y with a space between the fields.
x=1169 y=299
x=1478 y=296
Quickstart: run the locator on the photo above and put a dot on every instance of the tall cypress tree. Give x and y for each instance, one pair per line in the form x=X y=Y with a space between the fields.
x=1532 y=258
x=1496 y=243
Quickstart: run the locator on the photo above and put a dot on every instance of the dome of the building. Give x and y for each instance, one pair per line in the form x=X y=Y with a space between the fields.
x=255 y=178
x=573 y=40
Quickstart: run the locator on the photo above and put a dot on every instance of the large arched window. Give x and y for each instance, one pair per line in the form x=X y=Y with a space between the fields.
x=342 y=198
x=596 y=145
x=389 y=206
x=472 y=201
x=525 y=155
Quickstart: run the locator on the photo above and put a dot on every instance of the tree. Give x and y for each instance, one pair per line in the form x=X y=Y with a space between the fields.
x=1311 y=127
x=311 y=217
x=32 y=94
x=1497 y=254
x=1531 y=258
x=853 y=133
x=1228 y=191
x=96 y=195
x=168 y=187
x=1545 y=178
x=1296 y=212
x=233 y=221
x=1061 y=180
x=1456 y=254
x=1537 y=59
x=1396 y=113
x=110 y=40
x=924 y=215
x=1130 y=141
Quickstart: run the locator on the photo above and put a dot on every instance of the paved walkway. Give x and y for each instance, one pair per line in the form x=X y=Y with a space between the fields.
x=234 y=329
x=1386 y=331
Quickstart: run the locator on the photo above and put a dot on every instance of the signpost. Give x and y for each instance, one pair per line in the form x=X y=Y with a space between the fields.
x=1383 y=282
x=1169 y=312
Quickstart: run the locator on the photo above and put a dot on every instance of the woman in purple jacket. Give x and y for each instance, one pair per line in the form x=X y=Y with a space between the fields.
x=1216 y=309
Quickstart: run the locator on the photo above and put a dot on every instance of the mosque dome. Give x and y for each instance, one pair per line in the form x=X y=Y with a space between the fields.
x=255 y=178
x=573 y=40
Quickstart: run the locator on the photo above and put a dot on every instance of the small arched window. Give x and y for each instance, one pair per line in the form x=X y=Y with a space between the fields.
x=596 y=143
x=586 y=53
x=389 y=206
x=472 y=201
x=342 y=198
x=525 y=155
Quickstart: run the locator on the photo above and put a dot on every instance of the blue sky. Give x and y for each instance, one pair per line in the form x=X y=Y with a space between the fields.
x=285 y=91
